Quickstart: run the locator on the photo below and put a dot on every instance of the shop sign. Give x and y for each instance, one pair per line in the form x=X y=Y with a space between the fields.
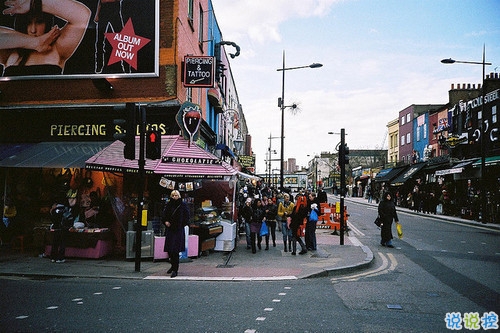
x=189 y=119
x=246 y=161
x=199 y=71
x=190 y=160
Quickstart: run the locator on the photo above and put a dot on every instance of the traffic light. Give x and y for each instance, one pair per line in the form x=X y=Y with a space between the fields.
x=345 y=154
x=153 y=145
x=125 y=131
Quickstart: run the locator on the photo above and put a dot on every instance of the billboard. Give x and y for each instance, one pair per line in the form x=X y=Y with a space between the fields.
x=79 y=39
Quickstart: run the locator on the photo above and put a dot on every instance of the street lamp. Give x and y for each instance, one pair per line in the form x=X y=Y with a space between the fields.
x=482 y=141
x=281 y=104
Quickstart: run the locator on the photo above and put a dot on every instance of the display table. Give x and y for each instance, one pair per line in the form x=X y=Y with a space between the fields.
x=86 y=243
x=207 y=232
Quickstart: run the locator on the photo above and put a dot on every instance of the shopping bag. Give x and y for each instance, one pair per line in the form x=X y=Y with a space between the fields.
x=399 y=228
x=378 y=221
x=263 y=229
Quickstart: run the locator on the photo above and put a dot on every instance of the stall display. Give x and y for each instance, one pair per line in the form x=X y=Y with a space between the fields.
x=207 y=226
x=91 y=243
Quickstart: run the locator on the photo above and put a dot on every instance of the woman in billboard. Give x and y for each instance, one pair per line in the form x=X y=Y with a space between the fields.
x=36 y=46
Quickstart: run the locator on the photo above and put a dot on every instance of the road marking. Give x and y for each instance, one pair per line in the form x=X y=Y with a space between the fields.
x=389 y=264
x=354 y=229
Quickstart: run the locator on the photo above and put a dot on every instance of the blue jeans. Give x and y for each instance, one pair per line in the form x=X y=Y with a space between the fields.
x=287 y=233
x=247 y=234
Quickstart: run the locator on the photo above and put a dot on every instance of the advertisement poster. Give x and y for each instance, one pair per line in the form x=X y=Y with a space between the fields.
x=78 y=38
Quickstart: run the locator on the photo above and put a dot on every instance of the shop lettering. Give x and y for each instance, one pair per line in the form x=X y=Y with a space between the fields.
x=488 y=98
x=199 y=60
x=189 y=160
x=78 y=130
x=491 y=96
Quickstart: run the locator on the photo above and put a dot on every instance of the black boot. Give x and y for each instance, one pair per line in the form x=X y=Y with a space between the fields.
x=294 y=247
x=285 y=248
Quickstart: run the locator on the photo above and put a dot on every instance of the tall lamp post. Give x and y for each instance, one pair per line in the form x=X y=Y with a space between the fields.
x=281 y=104
x=481 y=141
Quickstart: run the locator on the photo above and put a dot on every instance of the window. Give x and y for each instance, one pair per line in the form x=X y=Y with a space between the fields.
x=408 y=118
x=494 y=118
x=424 y=128
x=418 y=133
x=402 y=120
x=402 y=140
x=191 y=12
x=200 y=30
x=408 y=138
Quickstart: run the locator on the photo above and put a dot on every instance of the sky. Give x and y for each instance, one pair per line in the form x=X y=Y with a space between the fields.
x=378 y=57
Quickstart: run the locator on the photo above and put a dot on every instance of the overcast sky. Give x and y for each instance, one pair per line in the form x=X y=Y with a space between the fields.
x=378 y=58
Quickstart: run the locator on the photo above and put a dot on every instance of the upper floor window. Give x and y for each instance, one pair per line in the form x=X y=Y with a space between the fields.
x=408 y=138
x=191 y=12
x=402 y=140
x=200 y=30
x=402 y=120
x=408 y=119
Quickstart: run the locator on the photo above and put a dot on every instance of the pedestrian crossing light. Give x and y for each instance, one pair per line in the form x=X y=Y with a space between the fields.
x=126 y=129
x=153 y=145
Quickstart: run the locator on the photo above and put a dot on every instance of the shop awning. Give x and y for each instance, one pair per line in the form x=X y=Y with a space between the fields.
x=248 y=176
x=493 y=160
x=458 y=168
x=49 y=154
x=407 y=174
x=179 y=160
x=386 y=175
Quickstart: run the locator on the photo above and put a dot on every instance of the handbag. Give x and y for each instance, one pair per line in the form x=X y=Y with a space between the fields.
x=399 y=228
x=378 y=221
x=264 y=230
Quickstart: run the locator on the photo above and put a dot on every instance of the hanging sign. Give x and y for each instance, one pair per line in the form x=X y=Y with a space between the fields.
x=199 y=71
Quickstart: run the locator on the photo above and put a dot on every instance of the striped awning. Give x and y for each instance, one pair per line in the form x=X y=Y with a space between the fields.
x=179 y=160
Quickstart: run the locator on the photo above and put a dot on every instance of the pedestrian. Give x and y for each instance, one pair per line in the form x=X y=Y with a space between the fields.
x=247 y=213
x=62 y=216
x=271 y=211
x=312 y=220
x=258 y=217
x=285 y=210
x=322 y=197
x=299 y=214
x=175 y=216
x=387 y=213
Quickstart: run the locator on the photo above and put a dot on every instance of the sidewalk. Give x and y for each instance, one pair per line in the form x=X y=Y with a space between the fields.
x=241 y=264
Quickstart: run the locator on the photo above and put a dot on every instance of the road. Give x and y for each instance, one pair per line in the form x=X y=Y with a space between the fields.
x=438 y=268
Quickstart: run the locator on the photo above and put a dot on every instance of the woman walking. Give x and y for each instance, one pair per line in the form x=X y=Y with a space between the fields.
x=387 y=213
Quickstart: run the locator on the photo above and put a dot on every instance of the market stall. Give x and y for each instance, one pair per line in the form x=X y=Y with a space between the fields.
x=200 y=177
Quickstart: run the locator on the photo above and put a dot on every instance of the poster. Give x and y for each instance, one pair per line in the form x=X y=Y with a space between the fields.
x=78 y=39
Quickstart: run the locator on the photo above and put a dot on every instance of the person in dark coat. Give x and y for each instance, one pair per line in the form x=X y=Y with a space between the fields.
x=258 y=215
x=387 y=213
x=175 y=216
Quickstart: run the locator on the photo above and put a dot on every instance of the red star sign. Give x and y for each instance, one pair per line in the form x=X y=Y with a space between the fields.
x=126 y=44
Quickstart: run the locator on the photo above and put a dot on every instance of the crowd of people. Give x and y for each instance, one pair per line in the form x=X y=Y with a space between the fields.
x=295 y=217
